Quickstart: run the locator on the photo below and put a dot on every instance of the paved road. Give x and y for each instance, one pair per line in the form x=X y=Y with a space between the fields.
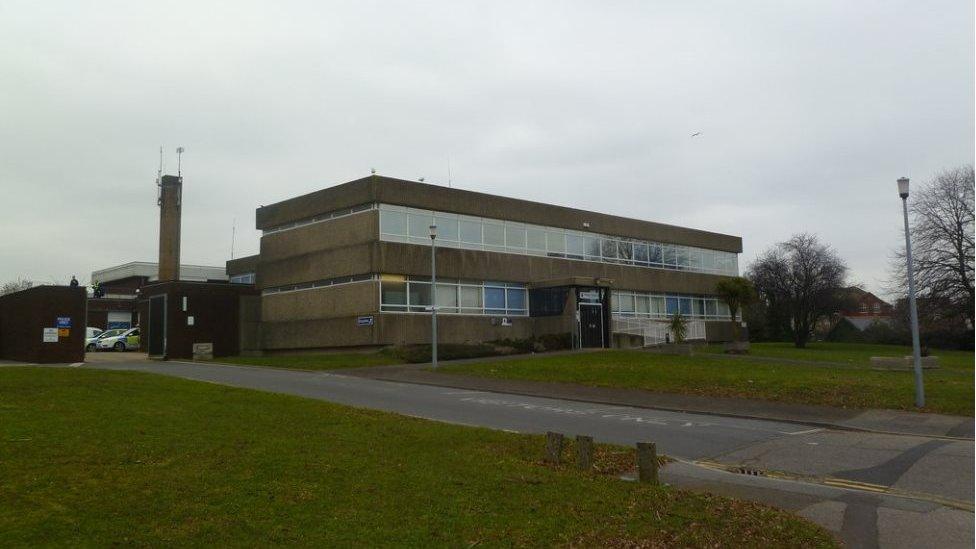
x=923 y=469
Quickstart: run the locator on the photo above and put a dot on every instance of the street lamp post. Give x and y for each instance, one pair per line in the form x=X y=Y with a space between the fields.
x=433 y=295
x=912 y=308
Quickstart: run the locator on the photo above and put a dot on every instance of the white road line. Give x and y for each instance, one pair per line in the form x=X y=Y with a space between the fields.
x=807 y=432
x=76 y=364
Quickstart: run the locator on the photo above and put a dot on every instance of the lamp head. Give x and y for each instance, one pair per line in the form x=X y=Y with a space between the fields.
x=433 y=232
x=903 y=187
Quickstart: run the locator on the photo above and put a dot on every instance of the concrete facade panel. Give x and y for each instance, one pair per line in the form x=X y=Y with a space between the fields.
x=358 y=298
x=358 y=228
x=322 y=264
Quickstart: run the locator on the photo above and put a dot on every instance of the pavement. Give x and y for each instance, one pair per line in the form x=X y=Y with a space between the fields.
x=882 y=421
x=870 y=489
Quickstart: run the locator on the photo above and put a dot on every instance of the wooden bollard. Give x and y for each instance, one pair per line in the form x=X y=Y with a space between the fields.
x=554 y=447
x=647 y=462
x=584 y=452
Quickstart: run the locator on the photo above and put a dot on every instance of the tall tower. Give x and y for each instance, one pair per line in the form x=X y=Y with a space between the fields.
x=170 y=210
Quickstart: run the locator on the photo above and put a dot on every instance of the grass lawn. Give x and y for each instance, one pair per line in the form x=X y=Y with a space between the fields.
x=102 y=458
x=321 y=361
x=948 y=390
x=850 y=353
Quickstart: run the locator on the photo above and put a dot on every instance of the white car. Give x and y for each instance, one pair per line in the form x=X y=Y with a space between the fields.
x=128 y=339
x=91 y=342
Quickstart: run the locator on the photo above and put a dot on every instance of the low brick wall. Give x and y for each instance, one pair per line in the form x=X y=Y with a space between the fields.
x=24 y=315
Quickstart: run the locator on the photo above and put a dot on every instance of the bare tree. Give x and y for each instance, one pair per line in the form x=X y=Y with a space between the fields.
x=942 y=244
x=802 y=277
x=15 y=286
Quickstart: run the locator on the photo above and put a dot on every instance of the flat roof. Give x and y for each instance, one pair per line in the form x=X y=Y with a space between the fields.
x=388 y=190
x=151 y=271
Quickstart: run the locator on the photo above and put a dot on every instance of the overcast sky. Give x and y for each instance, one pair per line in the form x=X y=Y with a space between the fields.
x=809 y=111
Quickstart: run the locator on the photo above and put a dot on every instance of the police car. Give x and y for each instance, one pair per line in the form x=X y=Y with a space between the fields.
x=128 y=339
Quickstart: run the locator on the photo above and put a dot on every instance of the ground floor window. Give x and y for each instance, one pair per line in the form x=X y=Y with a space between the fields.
x=400 y=293
x=642 y=304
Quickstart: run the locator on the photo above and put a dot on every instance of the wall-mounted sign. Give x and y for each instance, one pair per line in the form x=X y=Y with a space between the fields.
x=364 y=320
x=590 y=295
x=50 y=335
x=64 y=322
x=64 y=332
x=189 y=321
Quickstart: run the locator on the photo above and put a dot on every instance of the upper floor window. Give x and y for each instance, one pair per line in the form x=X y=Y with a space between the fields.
x=410 y=225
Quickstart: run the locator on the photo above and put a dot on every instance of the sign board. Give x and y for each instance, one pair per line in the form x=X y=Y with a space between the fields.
x=64 y=322
x=189 y=321
x=202 y=351
x=590 y=295
x=364 y=321
x=50 y=335
x=64 y=332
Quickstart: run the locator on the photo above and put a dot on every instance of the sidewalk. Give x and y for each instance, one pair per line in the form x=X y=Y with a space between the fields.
x=881 y=421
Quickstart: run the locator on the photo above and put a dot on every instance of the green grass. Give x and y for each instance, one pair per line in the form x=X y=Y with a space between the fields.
x=948 y=390
x=850 y=353
x=321 y=361
x=98 y=458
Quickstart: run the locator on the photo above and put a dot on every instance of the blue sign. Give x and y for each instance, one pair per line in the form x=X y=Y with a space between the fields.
x=64 y=322
x=364 y=321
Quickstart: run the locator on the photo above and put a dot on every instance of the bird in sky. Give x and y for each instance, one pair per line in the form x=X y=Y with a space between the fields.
x=696 y=134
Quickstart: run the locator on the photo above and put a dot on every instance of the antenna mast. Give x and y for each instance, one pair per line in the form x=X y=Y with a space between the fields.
x=159 y=179
x=179 y=161
x=233 y=233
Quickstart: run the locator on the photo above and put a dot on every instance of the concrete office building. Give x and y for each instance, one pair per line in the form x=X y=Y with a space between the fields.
x=350 y=265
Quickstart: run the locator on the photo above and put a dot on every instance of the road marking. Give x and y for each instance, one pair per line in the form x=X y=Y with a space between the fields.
x=76 y=364
x=807 y=432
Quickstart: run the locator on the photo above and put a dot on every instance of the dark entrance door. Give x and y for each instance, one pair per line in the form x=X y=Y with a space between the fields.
x=156 y=334
x=591 y=324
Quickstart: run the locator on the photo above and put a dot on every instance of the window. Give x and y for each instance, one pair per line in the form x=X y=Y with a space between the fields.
x=640 y=253
x=447 y=228
x=494 y=235
x=625 y=251
x=574 y=246
x=470 y=232
x=420 y=225
x=245 y=278
x=393 y=222
x=516 y=299
x=447 y=298
x=643 y=305
x=672 y=305
x=591 y=247
x=654 y=253
x=394 y=295
x=535 y=240
x=669 y=255
x=514 y=236
x=419 y=295
x=402 y=224
x=494 y=300
x=471 y=299
x=609 y=249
